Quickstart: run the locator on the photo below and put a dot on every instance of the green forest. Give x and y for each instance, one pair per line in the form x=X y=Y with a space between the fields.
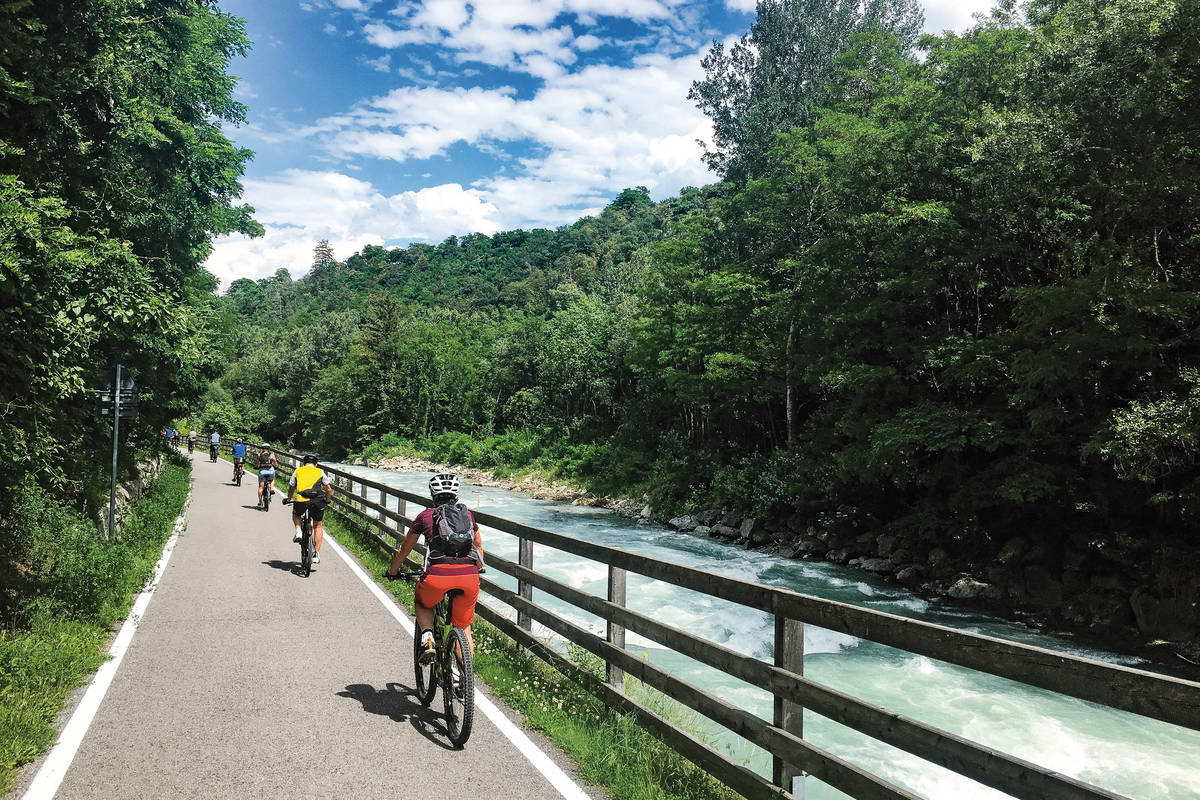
x=946 y=291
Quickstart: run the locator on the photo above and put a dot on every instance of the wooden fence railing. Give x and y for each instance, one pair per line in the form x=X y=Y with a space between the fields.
x=1164 y=698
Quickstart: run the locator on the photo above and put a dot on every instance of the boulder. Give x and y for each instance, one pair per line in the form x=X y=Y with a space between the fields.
x=708 y=517
x=1107 y=582
x=748 y=527
x=885 y=544
x=1012 y=550
x=731 y=519
x=725 y=532
x=1042 y=589
x=879 y=565
x=809 y=545
x=967 y=588
x=702 y=530
x=1074 y=582
x=839 y=556
x=759 y=538
x=1175 y=616
x=684 y=523
x=647 y=512
x=910 y=576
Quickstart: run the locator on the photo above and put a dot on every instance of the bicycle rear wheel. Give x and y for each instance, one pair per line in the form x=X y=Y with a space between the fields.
x=427 y=674
x=458 y=688
x=266 y=501
x=305 y=548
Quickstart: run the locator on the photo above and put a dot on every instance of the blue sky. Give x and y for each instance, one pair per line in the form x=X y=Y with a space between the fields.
x=394 y=121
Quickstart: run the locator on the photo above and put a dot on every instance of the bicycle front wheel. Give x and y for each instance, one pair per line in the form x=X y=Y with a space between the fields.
x=458 y=688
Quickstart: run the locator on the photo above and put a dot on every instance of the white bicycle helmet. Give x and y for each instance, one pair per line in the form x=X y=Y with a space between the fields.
x=443 y=483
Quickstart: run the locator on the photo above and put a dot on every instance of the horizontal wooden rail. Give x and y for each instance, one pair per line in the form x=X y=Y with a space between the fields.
x=990 y=767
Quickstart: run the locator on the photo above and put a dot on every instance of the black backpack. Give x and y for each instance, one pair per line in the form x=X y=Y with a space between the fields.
x=454 y=530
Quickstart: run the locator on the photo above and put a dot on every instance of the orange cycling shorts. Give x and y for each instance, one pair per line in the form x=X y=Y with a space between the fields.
x=432 y=588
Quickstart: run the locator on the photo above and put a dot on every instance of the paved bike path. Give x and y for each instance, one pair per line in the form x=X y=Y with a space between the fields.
x=246 y=680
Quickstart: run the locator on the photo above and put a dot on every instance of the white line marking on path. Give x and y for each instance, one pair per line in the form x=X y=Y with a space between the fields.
x=55 y=767
x=542 y=762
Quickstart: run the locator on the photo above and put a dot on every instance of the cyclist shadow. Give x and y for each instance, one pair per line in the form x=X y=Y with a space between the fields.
x=399 y=703
x=287 y=566
x=253 y=507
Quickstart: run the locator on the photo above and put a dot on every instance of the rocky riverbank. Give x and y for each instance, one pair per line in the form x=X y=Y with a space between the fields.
x=1145 y=601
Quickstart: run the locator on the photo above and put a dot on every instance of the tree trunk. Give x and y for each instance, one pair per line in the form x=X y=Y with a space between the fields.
x=791 y=386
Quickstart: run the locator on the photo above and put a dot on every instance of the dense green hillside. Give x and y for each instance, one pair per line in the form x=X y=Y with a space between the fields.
x=955 y=301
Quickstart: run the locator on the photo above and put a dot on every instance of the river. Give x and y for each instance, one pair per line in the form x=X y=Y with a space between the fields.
x=1138 y=757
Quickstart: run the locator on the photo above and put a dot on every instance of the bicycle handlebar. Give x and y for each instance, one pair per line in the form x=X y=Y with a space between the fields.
x=406 y=576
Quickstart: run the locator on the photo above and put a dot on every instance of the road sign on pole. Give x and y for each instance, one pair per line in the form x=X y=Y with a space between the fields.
x=116 y=401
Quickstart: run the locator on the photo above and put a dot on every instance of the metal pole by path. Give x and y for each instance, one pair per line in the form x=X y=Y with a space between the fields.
x=112 y=487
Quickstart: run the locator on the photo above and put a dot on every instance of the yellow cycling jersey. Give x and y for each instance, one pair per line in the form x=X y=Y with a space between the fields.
x=306 y=477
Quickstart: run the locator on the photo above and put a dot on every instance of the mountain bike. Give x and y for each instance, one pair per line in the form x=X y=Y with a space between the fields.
x=267 y=491
x=237 y=473
x=191 y=446
x=451 y=668
x=212 y=453
x=307 y=540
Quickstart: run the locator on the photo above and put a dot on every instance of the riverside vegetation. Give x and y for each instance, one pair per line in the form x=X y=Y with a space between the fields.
x=939 y=316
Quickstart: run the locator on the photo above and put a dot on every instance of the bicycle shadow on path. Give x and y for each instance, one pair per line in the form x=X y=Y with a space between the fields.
x=286 y=566
x=399 y=703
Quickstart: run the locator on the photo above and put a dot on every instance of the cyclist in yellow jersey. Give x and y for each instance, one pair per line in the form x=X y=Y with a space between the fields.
x=308 y=476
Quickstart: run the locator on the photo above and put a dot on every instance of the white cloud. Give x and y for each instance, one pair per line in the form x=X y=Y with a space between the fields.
x=330 y=28
x=514 y=34
x=941 y=15
x=298 y=208
x=597 y=130
x=381 y=64
x=588 y=42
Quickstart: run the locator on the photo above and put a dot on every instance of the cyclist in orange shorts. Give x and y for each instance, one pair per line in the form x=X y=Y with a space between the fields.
x=445 y=569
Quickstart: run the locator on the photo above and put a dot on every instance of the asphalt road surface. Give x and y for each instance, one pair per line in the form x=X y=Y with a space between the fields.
x=246 y=680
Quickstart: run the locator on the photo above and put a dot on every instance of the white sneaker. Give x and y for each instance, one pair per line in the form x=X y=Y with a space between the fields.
x=316 y=558
x=296 y=535
x=428 y=650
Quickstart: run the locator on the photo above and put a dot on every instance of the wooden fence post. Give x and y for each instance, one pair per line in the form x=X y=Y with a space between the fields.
x=789 y=655
x=525 y=559
x=362 y=492
x=616 y=633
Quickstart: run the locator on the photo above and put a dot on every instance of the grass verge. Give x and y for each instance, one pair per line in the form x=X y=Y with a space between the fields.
x=612 y=750
x=61 y=642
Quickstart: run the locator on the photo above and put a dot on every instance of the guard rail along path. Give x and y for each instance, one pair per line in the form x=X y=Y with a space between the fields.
x=1171 y=700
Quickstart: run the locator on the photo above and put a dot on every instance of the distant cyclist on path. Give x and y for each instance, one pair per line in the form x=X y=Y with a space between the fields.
x=443 y=571
x=266 y=471
x=304 y=478
x=239 y=454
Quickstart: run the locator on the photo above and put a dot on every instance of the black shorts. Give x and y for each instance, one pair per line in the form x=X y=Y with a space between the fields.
x=315 y=513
